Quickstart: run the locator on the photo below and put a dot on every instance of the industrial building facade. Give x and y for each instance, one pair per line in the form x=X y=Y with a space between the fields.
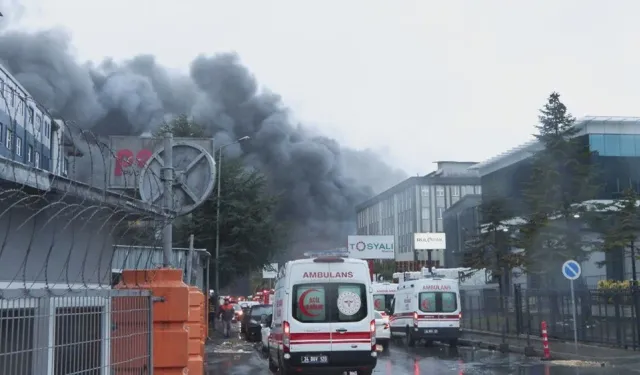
x=417 y=205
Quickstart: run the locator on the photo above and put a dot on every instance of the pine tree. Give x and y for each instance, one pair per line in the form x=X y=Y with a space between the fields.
x=622 y=219
x=562 y=175
x=490 y=247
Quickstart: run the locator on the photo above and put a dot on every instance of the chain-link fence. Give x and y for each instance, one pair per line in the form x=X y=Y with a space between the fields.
x=607 y=317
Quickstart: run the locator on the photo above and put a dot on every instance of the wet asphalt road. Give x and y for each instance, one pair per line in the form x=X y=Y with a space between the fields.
x=241 y=358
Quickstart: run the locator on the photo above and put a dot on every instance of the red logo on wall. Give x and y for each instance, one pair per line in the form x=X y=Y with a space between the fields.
x=126 y=159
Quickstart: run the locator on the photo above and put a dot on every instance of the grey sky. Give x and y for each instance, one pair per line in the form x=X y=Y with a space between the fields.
x=418 y=81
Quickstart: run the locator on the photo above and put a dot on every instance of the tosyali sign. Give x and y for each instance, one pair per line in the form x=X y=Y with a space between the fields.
x=371 y=247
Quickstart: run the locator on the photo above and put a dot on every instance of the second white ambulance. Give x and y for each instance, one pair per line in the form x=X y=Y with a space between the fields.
x=427 y=309
x=323 y=318
x=383 y=294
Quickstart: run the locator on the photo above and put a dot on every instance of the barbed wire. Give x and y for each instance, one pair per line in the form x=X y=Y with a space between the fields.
x=71 y=211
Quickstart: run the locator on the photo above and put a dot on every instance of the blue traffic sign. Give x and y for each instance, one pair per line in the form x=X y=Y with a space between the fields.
x=571 y=269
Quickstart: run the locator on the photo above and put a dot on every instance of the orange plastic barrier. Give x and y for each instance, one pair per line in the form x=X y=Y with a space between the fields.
x=170 y=319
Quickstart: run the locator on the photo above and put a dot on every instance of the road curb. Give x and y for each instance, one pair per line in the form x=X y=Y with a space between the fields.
x=493 y=341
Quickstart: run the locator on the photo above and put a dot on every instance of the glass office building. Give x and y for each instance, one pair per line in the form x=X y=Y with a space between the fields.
x=615 y=143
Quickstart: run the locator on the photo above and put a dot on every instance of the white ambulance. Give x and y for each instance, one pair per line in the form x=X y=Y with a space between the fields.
x=323 y=317
x=383 y=296
x=427 y=309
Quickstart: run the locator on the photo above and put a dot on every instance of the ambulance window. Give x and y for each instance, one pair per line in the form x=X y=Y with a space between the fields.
x=381 y=302
x=438 y=302
x=309 y=303
x=449 y=302
x=351 y=303
x=427 y=301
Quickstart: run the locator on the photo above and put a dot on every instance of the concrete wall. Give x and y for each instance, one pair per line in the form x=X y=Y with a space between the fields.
x=57 y=243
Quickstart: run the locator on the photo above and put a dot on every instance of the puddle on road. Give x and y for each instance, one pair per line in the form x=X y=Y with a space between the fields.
x=230 y=347
x=577 y=363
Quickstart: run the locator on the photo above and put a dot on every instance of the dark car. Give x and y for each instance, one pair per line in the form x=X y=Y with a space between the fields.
x=251 y=322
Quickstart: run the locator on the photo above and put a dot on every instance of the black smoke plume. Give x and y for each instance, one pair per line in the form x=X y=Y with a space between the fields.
x=321 y=181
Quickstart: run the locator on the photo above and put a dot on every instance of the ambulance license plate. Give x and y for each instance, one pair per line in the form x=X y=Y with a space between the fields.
x=309 y=359
x=430 y=331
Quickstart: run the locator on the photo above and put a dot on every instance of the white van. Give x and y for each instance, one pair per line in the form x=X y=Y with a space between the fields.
x=427 y=309
x=383 y=296
x=323 y=318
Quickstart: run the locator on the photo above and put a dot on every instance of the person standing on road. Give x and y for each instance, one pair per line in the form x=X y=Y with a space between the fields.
x=226 y=315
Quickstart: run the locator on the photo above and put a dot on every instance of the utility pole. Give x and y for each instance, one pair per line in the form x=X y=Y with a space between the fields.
x=167 y=179
x=217 y=265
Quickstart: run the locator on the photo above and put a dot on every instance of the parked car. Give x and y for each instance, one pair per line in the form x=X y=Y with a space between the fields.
x=383 y=333
x=264 y=334
x=252 y=322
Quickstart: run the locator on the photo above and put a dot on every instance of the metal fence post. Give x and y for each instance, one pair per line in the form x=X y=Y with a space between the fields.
x=635 y=296
x=150 y=335
x=518 y=307
x=528 y=311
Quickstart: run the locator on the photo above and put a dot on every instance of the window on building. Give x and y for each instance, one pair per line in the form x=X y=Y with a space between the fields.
x=29 y=154
x=426 y=214
x=36 y=159
x=47 y=129
x=30 y=115
x=1 y=88
x=627 y=145
x=478 y=189
x=9 y=140
x=424 y=191
x=426 y=225
x=39 y=123
x=65 y=168
x=455 y=191
x=615 y=144
x=596 y=143
x=612 y=144
x=18 y=146
x=440 y=191
x=440 y=212
x=13 y=97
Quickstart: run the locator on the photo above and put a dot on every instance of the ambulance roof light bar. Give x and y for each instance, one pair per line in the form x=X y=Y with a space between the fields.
x=411 y=276
x=434 y=276
x=328 y=259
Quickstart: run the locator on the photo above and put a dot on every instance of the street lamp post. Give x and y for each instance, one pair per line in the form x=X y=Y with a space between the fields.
x=219 y=177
